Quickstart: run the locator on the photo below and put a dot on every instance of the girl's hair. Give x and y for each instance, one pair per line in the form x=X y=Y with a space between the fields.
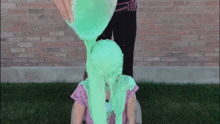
x=85 y=75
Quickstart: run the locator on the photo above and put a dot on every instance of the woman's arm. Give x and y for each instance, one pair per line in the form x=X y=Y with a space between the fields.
x=78 y=113
x=130 y=110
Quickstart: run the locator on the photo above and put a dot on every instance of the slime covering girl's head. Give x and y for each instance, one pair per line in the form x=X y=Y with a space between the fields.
x=104 y=67
x=107 y=60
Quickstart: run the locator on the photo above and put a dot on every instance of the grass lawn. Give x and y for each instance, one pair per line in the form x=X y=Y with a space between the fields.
x=50 y=103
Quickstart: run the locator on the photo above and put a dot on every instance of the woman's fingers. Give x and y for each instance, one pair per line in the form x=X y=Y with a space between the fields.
x=64 y=6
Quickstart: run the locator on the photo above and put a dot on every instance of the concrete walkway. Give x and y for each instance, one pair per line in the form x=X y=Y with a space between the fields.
x=177 y=74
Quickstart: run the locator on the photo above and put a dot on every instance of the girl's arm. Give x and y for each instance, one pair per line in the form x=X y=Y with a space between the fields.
x=130 y=110
x=78 y=113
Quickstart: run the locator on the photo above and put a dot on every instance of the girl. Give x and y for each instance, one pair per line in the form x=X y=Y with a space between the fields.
x=105 y=82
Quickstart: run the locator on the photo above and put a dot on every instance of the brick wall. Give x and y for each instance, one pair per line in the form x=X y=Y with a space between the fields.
x=169 y=33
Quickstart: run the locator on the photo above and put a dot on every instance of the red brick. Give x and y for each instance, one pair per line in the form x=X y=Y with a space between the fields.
x=180 y=32
x=74 y=54
x=18 y=11
x=195 y=54
x=196 y=3
x=8 y=5
x=204 y=49
x=26 y=55
x=163 y=32
x=146 y=21
x=211 y=9
x=36 y=5
x=58 y=45
x=216 y=59
x=212 y=54
x=159 y=64
x=143 y=64
x=194 y=16
x=4 y=50
x=167 y=43
x=75 y=44
x=43 y=45
x=157 y=3
x=188 y=27
x=151 y=59
x=152 y=48
x=207 y=38
x=169 y=59
x=193 y=63
x=148 y=9
x=140 y=38
x=203 y=59
x=158 y=53
x=146 y=44
x=211 y=64
x=4 y=11
x=180 y=43
x=197 y=43
x=10 y=55
x=43 y=55
x=138 y=59
x=16 y=50
x=50 y=59
x=20 y=60
x=167 y=9
x=12 y=64
x=212 y=32
x=197 y=32
x=184 y=9
x=216 y=49
x=212 y=3
x=38 y=34
x=154 y=27
x=176 y=63
x=211 y=15
x=209 y=21
x=154 y=38
x=172 y=38
x=13 y=29
x=53 y=11
x=213 y=44
x=178 y=3
x=188 y=49
x=189 y=38
x=20 y=23
x=34 y=50
x=61 y=54
x=48 y=39
x=145 y=33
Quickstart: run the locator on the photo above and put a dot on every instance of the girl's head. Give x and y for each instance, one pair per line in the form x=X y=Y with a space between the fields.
x=107 y=60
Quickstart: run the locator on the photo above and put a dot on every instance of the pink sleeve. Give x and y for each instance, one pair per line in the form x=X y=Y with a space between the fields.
x=130 y=93
x=78 y=95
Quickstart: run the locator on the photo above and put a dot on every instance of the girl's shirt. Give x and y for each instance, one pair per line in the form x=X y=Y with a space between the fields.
x=80 y=96
x=126 y=5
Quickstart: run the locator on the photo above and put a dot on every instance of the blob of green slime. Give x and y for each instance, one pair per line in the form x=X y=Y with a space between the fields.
x=104 y=59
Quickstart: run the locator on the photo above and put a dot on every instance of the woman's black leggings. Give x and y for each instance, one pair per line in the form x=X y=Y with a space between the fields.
x=123 y=25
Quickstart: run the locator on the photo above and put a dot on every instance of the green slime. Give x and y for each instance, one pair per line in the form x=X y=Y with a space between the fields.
x=104 y=59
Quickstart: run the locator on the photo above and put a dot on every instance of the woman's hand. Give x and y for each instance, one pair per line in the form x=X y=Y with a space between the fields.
x=64 y=6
